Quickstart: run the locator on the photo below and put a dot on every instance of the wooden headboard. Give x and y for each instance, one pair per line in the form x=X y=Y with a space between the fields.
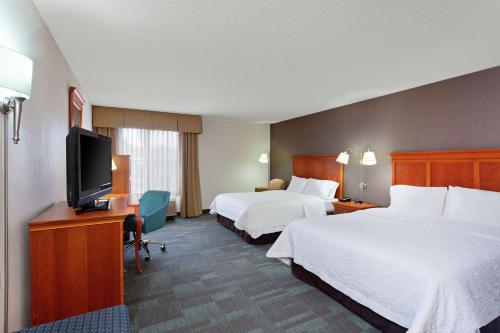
x=320 y=167
x=468 y=168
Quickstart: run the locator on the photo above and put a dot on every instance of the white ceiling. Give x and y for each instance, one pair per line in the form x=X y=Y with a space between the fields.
x=267 y=61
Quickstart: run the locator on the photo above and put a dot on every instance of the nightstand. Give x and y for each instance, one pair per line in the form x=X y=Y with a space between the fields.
x=261 y=189
x=349 y=207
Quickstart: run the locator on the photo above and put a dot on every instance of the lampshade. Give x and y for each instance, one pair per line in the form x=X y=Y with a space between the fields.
x=15 y=74
x=113 y=165
x=369 y=158
x=343 y=158
x=264 y=158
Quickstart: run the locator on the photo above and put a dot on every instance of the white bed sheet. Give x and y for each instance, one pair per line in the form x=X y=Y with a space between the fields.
x=429 y=275
x=329 y=205
x=266 y=212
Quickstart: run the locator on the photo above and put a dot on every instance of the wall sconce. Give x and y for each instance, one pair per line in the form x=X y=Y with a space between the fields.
x=15 y=83
x=343 y=157
x=369 y=158
x=113 y=165
x=264 y=158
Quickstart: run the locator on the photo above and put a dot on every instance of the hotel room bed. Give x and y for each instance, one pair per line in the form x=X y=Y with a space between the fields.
x=259 y=217
x=429 y=263
x=417 y=272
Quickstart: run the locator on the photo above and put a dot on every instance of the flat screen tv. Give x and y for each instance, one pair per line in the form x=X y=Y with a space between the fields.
x=88 y=168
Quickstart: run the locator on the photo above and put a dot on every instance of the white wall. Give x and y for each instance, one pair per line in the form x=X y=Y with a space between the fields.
x=228 y=153
x=37 y=170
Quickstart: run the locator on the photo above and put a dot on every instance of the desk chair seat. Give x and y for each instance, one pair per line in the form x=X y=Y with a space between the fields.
x=151 y=216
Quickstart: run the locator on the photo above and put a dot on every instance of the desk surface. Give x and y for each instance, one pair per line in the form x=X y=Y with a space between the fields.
x=61 y=213
x=130 y=199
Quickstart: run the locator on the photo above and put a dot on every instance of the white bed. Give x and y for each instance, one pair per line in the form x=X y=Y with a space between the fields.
x=267 y=212
x=429 y=274
x=259 y=217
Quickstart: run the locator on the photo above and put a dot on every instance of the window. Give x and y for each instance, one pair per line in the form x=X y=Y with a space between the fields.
x=154 y=159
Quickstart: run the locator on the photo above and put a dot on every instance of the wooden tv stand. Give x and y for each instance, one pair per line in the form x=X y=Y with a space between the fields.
x=76 y=260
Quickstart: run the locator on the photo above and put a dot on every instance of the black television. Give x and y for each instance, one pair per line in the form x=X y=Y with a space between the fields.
x=88 y=168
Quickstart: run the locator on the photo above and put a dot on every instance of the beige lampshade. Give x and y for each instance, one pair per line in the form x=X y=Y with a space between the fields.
x=369 y=158
x=264 y=158
x=343 y=158
x=15 y=74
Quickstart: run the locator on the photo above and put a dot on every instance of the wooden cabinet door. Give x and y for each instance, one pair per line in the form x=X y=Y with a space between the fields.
x=75 y=269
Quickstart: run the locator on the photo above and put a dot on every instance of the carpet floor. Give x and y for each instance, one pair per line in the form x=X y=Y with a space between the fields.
x=209 y=280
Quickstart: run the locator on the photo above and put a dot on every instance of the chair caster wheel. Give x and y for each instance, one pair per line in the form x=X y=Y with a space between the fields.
x=147 y=259
x=163 y=248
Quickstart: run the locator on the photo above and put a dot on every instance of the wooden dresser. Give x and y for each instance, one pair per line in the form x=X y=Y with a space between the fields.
x=76 y=260
x=350 y=206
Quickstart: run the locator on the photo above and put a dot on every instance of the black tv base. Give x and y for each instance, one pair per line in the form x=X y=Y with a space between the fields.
x=99 y=204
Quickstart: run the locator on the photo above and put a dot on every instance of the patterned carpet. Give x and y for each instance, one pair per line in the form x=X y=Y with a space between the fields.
x=211 y=281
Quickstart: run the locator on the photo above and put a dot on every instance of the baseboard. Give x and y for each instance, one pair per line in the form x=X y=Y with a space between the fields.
x=204 y=211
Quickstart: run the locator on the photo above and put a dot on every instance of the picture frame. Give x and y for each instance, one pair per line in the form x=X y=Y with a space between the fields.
x=76 y=103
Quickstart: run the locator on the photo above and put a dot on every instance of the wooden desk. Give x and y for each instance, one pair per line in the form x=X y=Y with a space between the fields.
x=76 y=260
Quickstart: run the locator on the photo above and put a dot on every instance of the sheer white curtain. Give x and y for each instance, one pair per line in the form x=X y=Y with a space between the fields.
x=155 y=163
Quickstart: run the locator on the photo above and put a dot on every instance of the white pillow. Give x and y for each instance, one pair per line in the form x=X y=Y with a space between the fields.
x=428 y=201
x=320 y=188
x=475 y=206
x=333 y=191
x=297 y=184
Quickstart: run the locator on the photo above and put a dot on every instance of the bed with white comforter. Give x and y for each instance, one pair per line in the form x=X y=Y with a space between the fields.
x=260 y=213
x=431 y=274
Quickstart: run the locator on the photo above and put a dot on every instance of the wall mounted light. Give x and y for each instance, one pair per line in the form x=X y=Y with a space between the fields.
x=15 y=83
x=369 y=158
x=343 y=157
x=264 y=158
x=113 y=165
x=15 y=88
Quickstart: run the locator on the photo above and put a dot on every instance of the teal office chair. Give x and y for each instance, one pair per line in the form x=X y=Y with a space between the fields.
x=153 y=215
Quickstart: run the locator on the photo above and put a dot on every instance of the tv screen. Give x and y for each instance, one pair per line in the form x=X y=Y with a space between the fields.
x=88 y=164
x=95 y=162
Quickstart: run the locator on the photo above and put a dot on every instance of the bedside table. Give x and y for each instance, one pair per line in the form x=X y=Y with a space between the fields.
x=261 y=189
x=349 y=207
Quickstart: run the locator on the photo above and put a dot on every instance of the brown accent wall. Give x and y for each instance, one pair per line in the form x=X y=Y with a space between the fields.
x=459 y=113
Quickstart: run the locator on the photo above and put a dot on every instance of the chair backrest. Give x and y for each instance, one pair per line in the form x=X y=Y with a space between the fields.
x=277 y=184
x=153 y=210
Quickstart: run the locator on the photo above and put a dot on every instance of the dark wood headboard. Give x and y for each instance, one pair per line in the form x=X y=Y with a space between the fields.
x=467 y=168
x=320 y=167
